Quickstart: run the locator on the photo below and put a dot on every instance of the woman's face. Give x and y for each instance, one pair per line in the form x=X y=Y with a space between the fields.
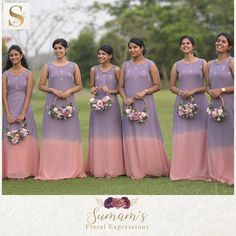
x=103 y=57
x=135 y=50
x=15 y=57
x=222 y=44
x=186 y=46
x=59 y=50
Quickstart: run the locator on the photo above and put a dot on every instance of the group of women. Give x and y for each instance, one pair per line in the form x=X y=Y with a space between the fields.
x=202 y=148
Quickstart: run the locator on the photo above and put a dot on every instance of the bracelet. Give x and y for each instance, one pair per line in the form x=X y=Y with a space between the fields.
x=179 y=93
x=51 y=90
x=146 y=90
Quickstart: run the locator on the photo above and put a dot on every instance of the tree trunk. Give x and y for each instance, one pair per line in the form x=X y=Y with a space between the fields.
x=165 y=76
x=35 y=62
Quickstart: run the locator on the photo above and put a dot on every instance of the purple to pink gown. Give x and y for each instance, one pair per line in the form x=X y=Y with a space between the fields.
x=144 y=151
x=105 y=151
x=189 y=153
x=19 y=160
x=221 y=134
x=61 y=148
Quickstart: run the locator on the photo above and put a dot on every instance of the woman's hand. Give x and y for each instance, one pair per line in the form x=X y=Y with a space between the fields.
x=128 y=101
x=214 y=93
x=58 y=93
x=140 y=94
x=186 y=93
x=66 y=94
x=94 y=90
x=10 y=119
x=20 y=118
x=105 y=89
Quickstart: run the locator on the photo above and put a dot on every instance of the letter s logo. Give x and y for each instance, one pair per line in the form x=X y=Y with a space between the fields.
x=19 y=18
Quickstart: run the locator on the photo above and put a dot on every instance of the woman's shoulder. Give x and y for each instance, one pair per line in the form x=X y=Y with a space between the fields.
x=5 y=73
x=72 y=63
x=231 y=59
x=115 y=67
x=95 y=67
x=127 y=62
x=149 y=61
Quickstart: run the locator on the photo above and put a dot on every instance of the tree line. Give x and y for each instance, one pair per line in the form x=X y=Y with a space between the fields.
x=160 y=24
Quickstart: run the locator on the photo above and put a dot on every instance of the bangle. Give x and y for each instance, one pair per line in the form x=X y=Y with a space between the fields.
x=51 y=90
x=146 y=90
x=179 y=93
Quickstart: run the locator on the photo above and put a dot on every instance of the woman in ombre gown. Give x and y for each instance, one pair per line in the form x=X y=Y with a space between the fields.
x=18 y=160
x=221 y=134
x=144 y=151
x=189 y=152
x=105 y=151
x=61 y=147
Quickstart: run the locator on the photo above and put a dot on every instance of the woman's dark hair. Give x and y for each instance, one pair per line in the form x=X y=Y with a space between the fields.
x=23 y=59
x=61 y=41
x=229 y=39
x=138 y=42
x=190 y=38
x=108 y=49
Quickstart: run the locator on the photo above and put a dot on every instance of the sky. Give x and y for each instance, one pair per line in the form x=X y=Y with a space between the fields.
x=38 y=7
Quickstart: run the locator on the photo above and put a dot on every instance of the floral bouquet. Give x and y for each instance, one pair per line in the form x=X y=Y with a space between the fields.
x=187 y=110
x=17 y=136
x=123 y=202
x=61 y=113
x=137 y=116
x=217 y=113
x=100 y=104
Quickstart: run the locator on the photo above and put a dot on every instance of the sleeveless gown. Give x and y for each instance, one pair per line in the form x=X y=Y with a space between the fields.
x=61 y=154
x=105 y=151
x=144 y=151
x=221 y=134
x=19 y=160
x=189 y=158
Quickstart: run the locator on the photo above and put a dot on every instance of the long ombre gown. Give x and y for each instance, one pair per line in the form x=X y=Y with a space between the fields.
x=61 y=154
x=19 y=160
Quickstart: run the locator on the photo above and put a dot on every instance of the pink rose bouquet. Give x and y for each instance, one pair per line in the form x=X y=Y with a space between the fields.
x=100 y=104
x=136 y=116
x=61 y=112
x=17 y=136
x=187 y=110
x=217 y=113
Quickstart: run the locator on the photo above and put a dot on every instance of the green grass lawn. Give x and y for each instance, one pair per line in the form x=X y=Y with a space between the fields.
x=120 y=185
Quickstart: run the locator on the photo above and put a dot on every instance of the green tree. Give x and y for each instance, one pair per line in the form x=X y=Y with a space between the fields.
x=83 y=52
x=161 y=23
x=4 y=53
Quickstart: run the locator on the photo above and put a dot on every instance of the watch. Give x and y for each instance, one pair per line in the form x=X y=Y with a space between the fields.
x=222 y=90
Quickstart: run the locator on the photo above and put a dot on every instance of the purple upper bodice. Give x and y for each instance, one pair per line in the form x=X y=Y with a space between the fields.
x=137 y=77
x=107 y=78
x=190 y=75
x=16 y=94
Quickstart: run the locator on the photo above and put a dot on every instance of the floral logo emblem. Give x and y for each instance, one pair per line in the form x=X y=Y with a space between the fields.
x=117 y=203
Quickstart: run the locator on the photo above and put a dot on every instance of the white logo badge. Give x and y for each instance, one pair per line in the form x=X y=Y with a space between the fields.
x=16 y=15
